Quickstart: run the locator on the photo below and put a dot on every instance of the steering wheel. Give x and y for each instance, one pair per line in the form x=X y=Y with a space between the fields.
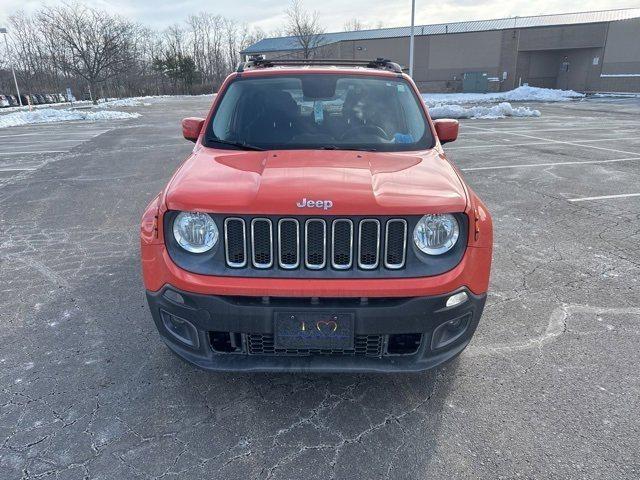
x=372 y=129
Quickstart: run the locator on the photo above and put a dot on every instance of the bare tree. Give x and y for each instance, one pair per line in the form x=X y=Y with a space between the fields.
x=72 y=45
x=353 y=25
x=95 y=44
x=305 y=27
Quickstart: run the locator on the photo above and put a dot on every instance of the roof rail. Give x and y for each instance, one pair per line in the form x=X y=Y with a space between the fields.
x=259 y=61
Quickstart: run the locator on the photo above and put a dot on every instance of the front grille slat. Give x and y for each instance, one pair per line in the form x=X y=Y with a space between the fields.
x=261 y=243
x=342 y=244
x=369 y=244
x=395 y=244
x=316 y=243
x=235 y=242
x=288 y=243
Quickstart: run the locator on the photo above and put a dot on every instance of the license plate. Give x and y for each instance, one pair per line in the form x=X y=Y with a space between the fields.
x=314 y=330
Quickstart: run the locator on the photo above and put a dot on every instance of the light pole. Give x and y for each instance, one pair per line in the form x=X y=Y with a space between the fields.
x=6 y=44
x=411 y=41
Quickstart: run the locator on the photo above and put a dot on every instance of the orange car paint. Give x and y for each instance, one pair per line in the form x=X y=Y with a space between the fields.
x=359 y=183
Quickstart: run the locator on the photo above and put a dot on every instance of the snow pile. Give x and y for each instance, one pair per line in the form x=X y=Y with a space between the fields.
x=524 y=93
x=47 y=115
x=501 y=110
x=122 y=102
x=142 y=101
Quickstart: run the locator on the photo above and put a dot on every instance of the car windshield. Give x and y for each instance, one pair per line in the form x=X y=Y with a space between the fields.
x=320 y=111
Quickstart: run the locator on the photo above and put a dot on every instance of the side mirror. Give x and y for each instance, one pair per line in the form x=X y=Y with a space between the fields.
x=191 y=128
x=447 y=129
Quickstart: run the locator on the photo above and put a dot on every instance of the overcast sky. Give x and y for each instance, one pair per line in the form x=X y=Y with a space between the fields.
x=269 y=14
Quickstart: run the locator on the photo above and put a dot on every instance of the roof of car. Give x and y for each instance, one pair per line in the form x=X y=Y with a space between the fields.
x=319 y=70
x=376 y=66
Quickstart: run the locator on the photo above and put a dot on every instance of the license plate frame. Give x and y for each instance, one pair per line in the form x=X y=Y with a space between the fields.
x=314 y=330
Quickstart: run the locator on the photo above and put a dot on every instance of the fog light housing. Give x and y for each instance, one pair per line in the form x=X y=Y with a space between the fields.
x=457 y=299
x=450 y=331
x=181 y=329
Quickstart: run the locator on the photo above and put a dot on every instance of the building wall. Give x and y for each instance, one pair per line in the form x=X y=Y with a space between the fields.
x=513 y=57
x=622 y=50
x=563 y=37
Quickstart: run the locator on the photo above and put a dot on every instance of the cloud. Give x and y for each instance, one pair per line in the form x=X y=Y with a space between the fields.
x=270 y=14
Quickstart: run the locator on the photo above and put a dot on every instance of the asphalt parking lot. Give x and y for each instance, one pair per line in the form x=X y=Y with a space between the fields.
x=548 y=388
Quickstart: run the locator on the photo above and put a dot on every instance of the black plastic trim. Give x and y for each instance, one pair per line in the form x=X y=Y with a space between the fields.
x=385 y=316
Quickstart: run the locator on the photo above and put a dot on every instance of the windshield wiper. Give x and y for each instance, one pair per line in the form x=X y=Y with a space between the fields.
x=335 y=147
x=241 y=145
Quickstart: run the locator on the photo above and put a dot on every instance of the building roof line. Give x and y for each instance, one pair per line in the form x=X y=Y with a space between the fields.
x=290 y=43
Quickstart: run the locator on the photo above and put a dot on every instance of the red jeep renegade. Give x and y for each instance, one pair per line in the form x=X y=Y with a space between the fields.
x=317 y=226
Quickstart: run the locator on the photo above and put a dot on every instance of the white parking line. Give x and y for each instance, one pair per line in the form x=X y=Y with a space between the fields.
x=20 y=169
x=529 y=165
x=562 y=142
x=38 y=142
x=84 y=133
x=486 y=131
x=34 y=152
x=604 y=197
x=492 y=145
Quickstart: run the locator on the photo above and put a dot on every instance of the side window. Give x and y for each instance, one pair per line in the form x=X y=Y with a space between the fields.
x=223 y=122
x=412 y=117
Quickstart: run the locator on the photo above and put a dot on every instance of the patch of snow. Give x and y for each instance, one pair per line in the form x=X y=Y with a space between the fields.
x=142 y=101
x=122 y=102
x=616 y=95
x=48 y=115
x=524 y=93
x=501 y=110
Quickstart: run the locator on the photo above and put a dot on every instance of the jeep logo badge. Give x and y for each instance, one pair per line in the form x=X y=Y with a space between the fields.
x=324 y=204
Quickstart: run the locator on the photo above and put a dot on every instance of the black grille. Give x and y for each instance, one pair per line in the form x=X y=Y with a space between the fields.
x=262 y=242
x=395 y=243
x=369 y=244
x=363 y=346
x=342 y=244
x=235 y=242
x=315 y=242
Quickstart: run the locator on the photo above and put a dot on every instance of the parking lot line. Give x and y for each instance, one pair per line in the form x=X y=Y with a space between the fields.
x=553 y=164
x=604 y=197
x=494 y=130
x=34 y=152
x=493 y=145
x=84 y=133
x=18 y=169
x=35 y=142
x=561 y=142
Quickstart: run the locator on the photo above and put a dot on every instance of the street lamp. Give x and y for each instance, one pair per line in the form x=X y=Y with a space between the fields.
x=6 y=44
x=413 y=18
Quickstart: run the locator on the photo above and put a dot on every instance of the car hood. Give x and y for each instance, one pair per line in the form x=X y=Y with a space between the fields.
x=277 y=182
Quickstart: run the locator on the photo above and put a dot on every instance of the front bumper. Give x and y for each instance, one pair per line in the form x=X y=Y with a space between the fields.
x=394 y=334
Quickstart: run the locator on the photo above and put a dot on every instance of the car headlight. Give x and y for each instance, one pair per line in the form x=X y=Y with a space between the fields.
x=436 y=234
x=195 y=232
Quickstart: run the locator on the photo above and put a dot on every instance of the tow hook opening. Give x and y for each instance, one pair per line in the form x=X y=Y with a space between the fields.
x=404 y=344
x=226 y=342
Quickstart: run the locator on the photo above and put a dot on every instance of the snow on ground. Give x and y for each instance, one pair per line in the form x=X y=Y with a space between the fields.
x=48 y=115
x=502 y=110
x=450 y=105
x=122 y=102
x=524 y=93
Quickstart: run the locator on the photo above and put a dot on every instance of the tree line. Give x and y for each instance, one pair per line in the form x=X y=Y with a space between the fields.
x=100 y=54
